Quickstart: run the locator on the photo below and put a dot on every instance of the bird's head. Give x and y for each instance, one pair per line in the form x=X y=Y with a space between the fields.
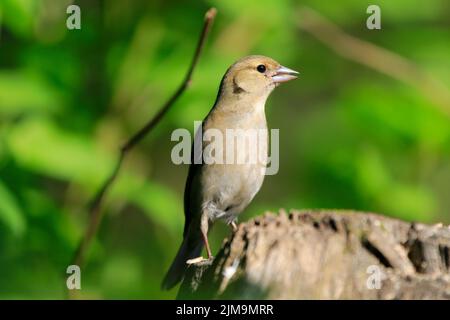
x=255 y=76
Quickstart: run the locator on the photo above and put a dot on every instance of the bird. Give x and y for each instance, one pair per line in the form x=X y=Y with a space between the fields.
x=221 y=191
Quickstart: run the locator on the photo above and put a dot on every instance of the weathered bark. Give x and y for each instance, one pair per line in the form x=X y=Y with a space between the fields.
x=327 y=255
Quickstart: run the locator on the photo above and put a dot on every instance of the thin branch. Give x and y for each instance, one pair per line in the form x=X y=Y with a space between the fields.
x=96 y=214
x=375 y=57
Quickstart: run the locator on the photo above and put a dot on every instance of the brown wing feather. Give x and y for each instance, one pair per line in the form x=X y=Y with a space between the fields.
x=188 y=196
x=195 y=168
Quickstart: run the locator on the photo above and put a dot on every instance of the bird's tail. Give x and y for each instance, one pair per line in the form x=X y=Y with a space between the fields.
x=189 y=249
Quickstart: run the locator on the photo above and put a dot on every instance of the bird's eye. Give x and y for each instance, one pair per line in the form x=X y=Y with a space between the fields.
x=261 y=68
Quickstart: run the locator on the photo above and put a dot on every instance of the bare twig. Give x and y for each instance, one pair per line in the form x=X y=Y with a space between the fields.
x=375 y=57
x=96 y=214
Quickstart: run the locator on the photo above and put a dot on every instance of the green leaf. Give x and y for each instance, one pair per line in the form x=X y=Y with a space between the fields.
x=41 y=146
x=409 y=202
x=10 y=212
x=19 y=15
x=160 y=204
x=20 y=92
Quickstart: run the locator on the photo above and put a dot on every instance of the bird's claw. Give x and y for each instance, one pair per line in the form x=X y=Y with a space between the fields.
x=199 y=260
x=195 y=260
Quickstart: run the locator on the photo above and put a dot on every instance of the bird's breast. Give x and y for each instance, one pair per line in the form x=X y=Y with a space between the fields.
x=239 y=145
x=236 y=138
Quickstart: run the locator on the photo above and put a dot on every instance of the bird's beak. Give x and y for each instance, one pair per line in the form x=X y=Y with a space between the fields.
x=284 y=74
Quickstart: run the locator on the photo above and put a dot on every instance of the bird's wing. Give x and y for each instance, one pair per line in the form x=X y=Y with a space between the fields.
x=189 y=190
x=193 y=171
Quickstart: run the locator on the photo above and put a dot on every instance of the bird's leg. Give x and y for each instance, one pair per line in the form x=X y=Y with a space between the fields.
x=208 y=249
x=233 y=226
x=204 y=225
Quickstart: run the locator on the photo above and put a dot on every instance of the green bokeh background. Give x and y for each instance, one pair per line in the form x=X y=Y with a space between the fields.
x=350 y=137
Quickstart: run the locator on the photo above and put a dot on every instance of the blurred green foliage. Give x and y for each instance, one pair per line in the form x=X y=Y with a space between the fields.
x=350 y=137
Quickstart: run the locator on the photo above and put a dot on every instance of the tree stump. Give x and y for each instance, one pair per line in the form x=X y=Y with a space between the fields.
x=326 y=255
